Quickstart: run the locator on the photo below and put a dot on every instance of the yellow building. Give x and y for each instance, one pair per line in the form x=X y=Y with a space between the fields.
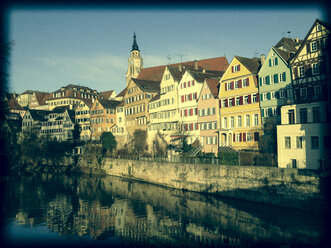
x=240 y=111
x=139 y=93
x=82 y=118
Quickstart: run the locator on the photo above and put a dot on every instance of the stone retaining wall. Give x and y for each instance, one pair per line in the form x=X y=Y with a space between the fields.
x=283 y=187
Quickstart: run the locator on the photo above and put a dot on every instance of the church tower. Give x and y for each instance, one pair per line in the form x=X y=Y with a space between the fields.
x=135 y=62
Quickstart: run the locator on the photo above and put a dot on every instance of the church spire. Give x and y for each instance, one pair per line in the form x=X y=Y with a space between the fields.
x=134 y=45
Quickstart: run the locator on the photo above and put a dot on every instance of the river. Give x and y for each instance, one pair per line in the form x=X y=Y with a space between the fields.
x=104 y=210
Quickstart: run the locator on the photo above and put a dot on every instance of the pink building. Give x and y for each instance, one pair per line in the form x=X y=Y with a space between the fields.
x=209 y=115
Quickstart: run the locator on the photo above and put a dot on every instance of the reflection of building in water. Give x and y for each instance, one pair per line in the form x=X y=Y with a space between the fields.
x=23 y=219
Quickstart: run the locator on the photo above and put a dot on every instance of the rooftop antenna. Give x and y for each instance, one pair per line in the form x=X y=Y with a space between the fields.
x=181 y=57
x=169 y=58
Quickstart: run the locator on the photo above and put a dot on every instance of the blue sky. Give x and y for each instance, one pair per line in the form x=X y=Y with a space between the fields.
x=90 y=47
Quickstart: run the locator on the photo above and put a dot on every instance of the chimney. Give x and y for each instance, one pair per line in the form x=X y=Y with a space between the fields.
x=195 y=65
x=262 y=59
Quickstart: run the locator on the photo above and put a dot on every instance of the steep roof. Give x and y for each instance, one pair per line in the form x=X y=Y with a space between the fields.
x=147 y=85
x=155 y=98
x=289 y=44
x=38 y=115
x=213 y=85
x=109 y=103
x=253 y=65
x=213 y=64
x=201 y=76
x=285 y=55
x=307 y=36
x=122 y=93
x=60 y=109
x=107 y=94
x=12 y=104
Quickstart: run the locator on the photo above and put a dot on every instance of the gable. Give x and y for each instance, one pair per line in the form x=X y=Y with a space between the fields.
x=235 y=69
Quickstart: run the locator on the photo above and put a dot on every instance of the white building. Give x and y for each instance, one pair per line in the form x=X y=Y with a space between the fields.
x=303 y=138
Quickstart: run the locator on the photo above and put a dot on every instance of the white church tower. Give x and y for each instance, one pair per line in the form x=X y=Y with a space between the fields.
x=135 y=62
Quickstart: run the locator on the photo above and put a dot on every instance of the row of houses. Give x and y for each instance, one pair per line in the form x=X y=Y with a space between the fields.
x=211 y=102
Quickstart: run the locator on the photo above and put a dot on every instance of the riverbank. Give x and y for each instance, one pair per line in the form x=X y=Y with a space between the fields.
x=293 y=188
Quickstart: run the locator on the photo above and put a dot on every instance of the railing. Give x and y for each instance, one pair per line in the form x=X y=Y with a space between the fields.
x=244 y=159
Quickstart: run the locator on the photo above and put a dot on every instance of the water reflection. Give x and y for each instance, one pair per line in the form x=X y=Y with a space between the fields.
x=130 y=213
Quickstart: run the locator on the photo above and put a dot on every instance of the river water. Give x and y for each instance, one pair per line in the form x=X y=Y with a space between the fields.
x=110 y=211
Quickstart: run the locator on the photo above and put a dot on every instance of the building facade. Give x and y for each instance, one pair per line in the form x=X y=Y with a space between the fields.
x=311 y=82
x=303 y=138
x=275 y=85
x=240 y=110
x=209 y=116
x=82 y=118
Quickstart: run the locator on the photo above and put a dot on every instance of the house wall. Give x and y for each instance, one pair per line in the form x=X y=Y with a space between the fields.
x=269 y=86
x=250 y=109
x=189 y=122
x=211 y=135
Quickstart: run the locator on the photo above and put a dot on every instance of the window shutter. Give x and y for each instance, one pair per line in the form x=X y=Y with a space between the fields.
x=256 y=136
x=188 y=84
x=182 y=98
x=267 y=79
x=276 y=61
x=240 y=83
x=269 y=111
x=260 y=81
x=196 y=111
x=234 y=137
x=277 y=95
x=249 y=99
x=232 y=85
x=284 y=76
x=232 y=68
x=268 y=96
x=308 y=47
x=226 y=88
x=185 y=112
x=233 y=102
x=244 y=137
x=247 y=80
x=295 y=72
x=195 y=94
x=269 y=62
x=257 y=97
x=241 y=100
x=196 y=126
x=181 y=113
x=220 y=103
x=239 y=67
x=262 y=112
x=226 y=102
x=240 y=137
x=192 y=82
x=276 y=78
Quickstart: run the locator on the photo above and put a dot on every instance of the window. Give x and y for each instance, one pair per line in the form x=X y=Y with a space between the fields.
x=316 y=114
x=229 y=86
x=301 y=71
x=232 y=121
x=249 y=137
x=245 y=99
x=224 y=103
x=303 y=115
x=236 y=68
x=287 y=142
x=248 y=120
x=245 y=82
x=236 y=84
x=313 y=46
x=225 y=122
x=303 y=92
x=237 y=101
x=256 y=119
x=315 y=69
x=291 y=116
x=299 y=142
x=317 y=90
x=282 y=93
x=314 y=142
x=239 y=121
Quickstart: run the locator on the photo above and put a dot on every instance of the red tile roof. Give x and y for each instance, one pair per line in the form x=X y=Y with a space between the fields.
x=213 y=85
x=214 y=64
